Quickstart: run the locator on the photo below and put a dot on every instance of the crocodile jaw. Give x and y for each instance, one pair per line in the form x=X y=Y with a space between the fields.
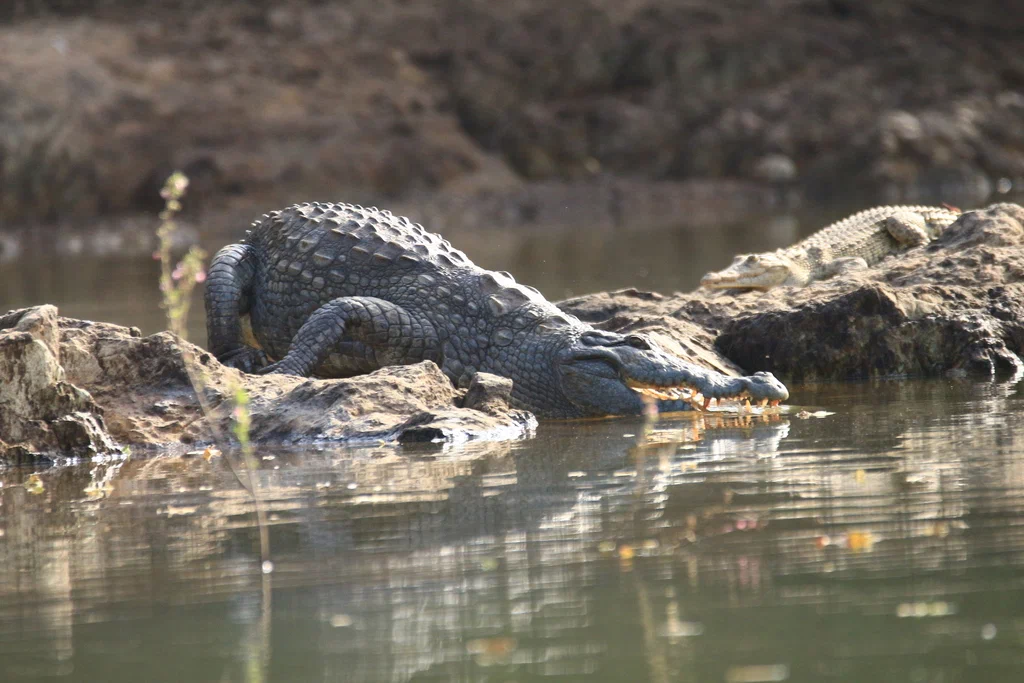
x=756 y=271
x=666 y=397
x=606 y=373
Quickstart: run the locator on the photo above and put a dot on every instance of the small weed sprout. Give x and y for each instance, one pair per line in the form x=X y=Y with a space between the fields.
x=177 y=283
x=178 y=280
x=241 y=420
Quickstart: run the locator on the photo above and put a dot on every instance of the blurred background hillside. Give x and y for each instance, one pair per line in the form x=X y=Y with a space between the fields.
x=266 y=102
x=495 y=119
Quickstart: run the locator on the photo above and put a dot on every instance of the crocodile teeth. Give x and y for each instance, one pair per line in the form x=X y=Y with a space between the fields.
x=676 y=393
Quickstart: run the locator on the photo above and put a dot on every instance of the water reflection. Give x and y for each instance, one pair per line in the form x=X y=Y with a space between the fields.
x=883 y=541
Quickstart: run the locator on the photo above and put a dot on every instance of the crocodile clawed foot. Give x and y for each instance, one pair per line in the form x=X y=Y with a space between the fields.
x=246 y=358
x=273 y=369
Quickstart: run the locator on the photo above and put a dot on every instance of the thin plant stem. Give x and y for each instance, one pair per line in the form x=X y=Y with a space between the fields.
x=177 y=283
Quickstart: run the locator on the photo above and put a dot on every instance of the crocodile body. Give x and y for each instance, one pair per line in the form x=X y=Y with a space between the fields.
x=858 y=241
x=335 y=290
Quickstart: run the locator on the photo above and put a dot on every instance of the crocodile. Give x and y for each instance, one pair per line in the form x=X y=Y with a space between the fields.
x=858 y=241
x=335 y=290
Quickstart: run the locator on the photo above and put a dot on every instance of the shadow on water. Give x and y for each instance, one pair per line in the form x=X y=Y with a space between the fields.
x=882 y=542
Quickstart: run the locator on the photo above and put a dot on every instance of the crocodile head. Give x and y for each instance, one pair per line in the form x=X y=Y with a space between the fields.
x=756 y=271
x=604 y=373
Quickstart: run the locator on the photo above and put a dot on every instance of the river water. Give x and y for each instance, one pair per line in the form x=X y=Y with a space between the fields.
x=870 y=532
x=884 y=541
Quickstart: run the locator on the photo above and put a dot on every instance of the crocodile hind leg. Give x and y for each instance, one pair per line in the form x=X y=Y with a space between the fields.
x=908 y=228
x=228 y=294
x=358 y=323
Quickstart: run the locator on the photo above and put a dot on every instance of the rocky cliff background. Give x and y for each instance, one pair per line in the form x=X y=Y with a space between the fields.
x=480 y=111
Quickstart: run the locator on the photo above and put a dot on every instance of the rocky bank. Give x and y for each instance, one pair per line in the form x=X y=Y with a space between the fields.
x=81 y=388
x=955 y=307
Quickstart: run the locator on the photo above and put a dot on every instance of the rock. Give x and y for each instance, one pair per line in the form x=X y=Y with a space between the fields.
x=39 y=322
x=144 y=388
x=83 y=432
x=871 y=331
x=40 y=411
x=388 y=405
x=954 y=307
x=775 y=168
x=488 y=393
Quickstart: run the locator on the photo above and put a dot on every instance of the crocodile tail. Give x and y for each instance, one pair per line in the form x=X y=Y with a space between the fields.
x=229 y=286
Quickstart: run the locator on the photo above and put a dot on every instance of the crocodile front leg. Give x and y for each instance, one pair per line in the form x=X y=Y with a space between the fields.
x=366 y=333
x=908 y=228
x=842 y=266
x=228 y=292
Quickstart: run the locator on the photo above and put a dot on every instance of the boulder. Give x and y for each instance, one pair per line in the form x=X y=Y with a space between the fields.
x=956 y=307
x=40 y=411
x=79 y=387
x=953 y=308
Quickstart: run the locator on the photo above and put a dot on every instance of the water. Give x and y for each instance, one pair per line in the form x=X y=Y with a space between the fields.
x=882 y=542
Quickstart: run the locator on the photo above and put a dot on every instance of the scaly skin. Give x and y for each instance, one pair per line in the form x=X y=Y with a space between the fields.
x=858 y=241
x=335 y=290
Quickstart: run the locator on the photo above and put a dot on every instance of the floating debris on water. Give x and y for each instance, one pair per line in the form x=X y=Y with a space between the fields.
x=807 y=415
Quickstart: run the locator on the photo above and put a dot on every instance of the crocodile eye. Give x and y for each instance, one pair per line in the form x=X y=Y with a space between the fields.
x=753 y=258
x=638 y=342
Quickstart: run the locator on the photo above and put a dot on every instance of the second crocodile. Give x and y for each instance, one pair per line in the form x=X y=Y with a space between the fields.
x=858 y=241
x=335 y=290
